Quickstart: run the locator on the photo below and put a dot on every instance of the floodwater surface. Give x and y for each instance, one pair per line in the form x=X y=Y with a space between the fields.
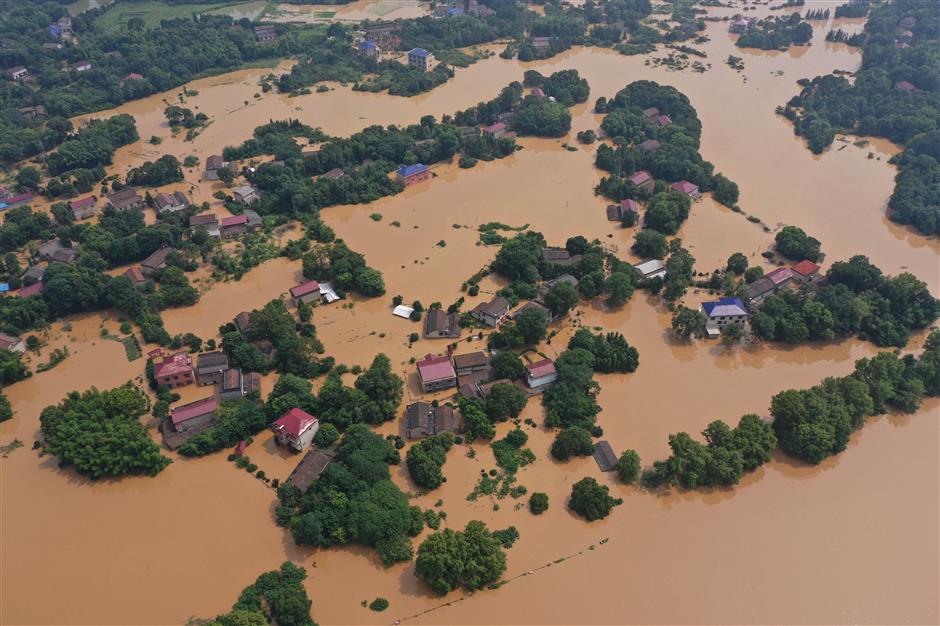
x=852 y=540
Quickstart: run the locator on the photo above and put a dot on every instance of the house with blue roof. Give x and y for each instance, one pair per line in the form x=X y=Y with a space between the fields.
x=421 y=59
x=369 y=48
x=722 y=313
x=412 y=174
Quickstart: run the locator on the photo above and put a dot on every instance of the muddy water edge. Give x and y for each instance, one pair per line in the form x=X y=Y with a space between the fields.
x=861 y=526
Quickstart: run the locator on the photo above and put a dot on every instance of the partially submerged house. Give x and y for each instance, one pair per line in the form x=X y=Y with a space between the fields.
x=246 y=194
x=198 y=414
x=722 y=313
x=687 y=189
x=650 y=145
x=155 y=261
x=471 y=363
x=213 y=164
x=436 y=373
x=805 y=272
x=497 y=130
x=172 y=370
x=440 y=324
x=295 y=429
x=423 y=419
x=233 y=226
x=310 y=468
x=305 y=292
x=652 y=268
x=171 y=202
x=605 y=457
x=209 y=221
x=540 y=373
x=124 y=200
x=83 y=208
x=643 y=180
x=242 y=322
x=412 y=174
x=236 y=384
x=559 y=256
x=12 y=343
x=421 y=59
x=210 y=367
x=616 y=212
x=135 y=275
x=491 y=313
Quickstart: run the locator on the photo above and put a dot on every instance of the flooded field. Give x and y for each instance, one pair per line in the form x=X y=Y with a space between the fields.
x=852 y=540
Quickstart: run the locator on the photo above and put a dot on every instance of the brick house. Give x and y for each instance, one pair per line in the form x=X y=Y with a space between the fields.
x=174 y=370
x=413 y=174
x=436 y=373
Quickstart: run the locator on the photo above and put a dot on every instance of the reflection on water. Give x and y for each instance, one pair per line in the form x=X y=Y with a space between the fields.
x=202 y=529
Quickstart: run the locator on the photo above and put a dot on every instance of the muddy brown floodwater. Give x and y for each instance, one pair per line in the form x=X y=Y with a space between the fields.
x=852 y=540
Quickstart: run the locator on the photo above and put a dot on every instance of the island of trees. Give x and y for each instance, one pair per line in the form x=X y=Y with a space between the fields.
x=895 y=95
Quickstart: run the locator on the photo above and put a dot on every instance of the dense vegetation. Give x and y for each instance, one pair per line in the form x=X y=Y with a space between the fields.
x=777 y=33
x=354 y=501
x=729 y=453
x=873 y=104
x=857 y=299
x=99 y=432
x=277 y=597
x=426 y=460
x=793 y=243
x=808 y=424
x=470 y=558
x=591 y=500
x=166 y=56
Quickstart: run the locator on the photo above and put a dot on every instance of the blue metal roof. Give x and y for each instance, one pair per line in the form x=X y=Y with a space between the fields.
x=367 y=45
x=4 y=287
x=724 y=306
x=410 y=170
x=421 y=52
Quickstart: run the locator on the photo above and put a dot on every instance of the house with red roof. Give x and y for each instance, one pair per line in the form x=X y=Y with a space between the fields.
x=234 y=226
x=136 y=275
x=903 y=85
x=305 y=292
x=540 y=373
x=173 y=370
x=295 y=429
x=497 y=130
x=780 y=277
x=436 y=373
x=643 y=181
x=805 y=271
x=198 y=414
x=662 y=120
x=31 y=290
x=83 y=208
x=12 y=343
x=686 y=188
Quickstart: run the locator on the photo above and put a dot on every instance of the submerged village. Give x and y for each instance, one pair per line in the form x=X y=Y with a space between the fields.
x=469 y=311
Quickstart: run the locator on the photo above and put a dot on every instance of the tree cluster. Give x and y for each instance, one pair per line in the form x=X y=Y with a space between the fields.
x=470 y=558
x=100 y=434
x=857 y=299
x=426 y=460
x=354 y=501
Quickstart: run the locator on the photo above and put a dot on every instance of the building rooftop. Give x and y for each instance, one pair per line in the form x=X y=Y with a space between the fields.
x=410 y=170
x=805 y=268
x=82 y=203
x=211 y=360
x=724 y=307
x=433 y=368
x=294 y=422
x=419 y=52
x=193 y=409
x=684 y=186
x=309 y=468
x=179 y=363
x=545 y=367
x=641 y=177
x=303 y=289
x=495 y=306
x=605 y=457
x=779 y=275
x=472 y=359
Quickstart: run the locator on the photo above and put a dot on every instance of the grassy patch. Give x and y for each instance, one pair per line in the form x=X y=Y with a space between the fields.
x=131 y=345
x=152 y=12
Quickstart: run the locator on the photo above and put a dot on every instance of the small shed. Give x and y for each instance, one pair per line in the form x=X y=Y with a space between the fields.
x=403 y=311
